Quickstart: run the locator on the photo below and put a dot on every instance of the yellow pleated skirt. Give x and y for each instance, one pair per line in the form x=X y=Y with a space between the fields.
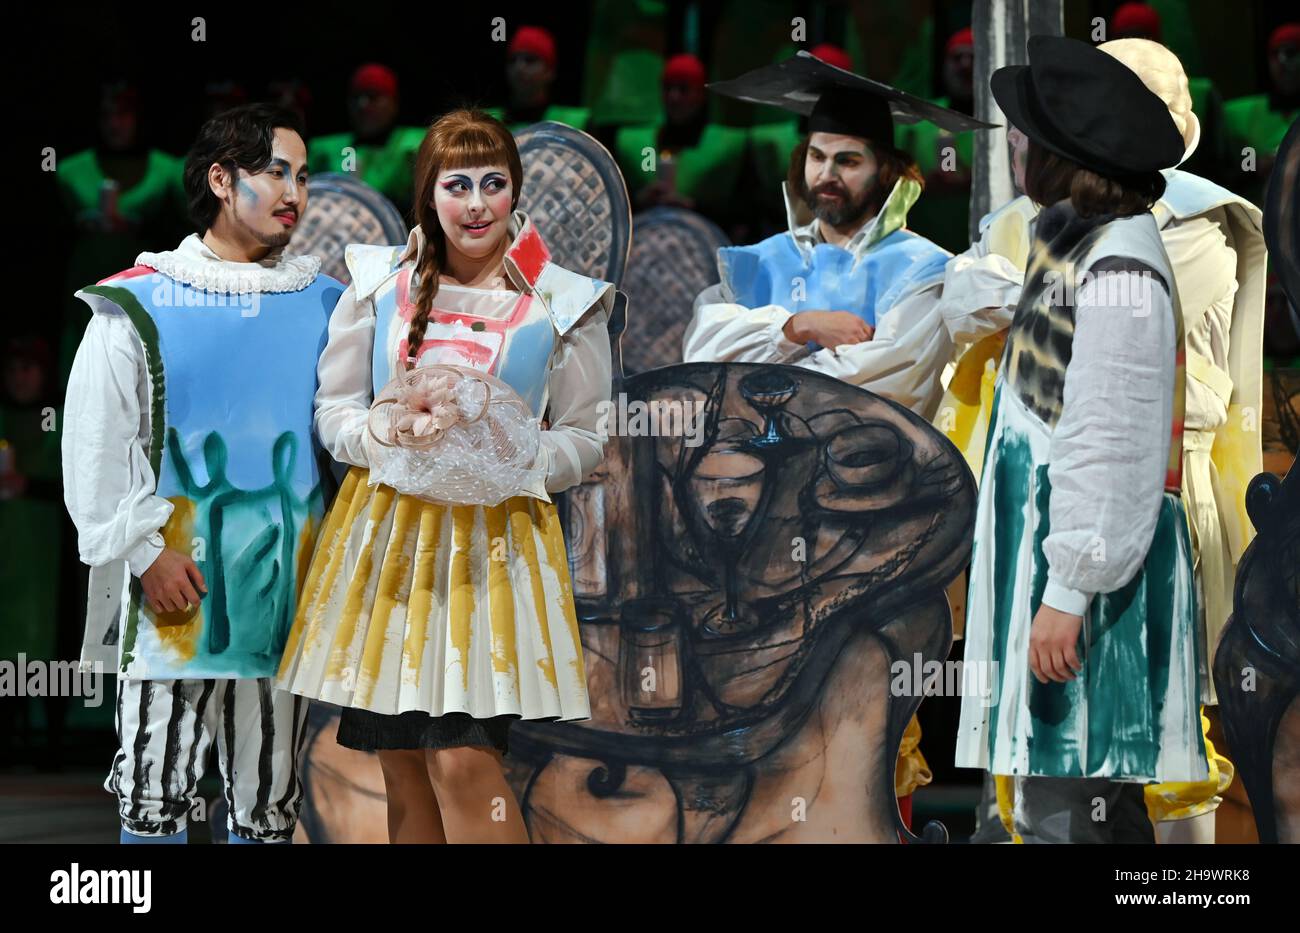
x=409 y=605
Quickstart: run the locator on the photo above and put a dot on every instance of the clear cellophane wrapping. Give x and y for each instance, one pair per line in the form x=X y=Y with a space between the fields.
x=453 y=435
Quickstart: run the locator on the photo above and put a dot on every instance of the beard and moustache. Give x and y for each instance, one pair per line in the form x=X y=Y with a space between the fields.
x=277 y=240
x=842 y=212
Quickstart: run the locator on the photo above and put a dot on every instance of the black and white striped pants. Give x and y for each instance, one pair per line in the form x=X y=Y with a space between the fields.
x=166 y=729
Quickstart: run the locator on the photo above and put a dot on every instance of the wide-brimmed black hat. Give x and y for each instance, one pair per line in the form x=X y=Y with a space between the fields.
x=839 y=101
x=1090 y=108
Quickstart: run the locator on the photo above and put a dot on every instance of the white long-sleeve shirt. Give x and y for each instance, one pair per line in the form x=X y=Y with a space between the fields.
x=1110 y=450
x=902 y=361
x=981 y=287
x=109 y=487
x=1204 y=268
x=578 y=382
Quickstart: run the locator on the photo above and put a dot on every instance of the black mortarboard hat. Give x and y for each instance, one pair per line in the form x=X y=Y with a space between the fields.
x=839 y=101
x=1081 y=103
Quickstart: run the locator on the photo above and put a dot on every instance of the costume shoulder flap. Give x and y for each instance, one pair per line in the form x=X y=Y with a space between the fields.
x=371 y=266
x=1187 y=195
x=569 y=295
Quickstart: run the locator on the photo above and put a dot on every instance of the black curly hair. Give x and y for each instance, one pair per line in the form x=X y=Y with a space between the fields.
x=237 y=138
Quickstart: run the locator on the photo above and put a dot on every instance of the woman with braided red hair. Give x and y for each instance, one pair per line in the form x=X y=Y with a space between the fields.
x=435 y=625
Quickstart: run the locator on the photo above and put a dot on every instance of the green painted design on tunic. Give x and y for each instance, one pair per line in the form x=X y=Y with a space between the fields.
x=1054 y=708
x=1010 y=477
x=148 y=332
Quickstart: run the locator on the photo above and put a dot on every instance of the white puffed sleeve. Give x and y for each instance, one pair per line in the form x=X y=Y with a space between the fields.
x=722 y=331
x=1110 y=450
x=980 y=294
x=108 y=484
x=579 y=381
x=344 y=391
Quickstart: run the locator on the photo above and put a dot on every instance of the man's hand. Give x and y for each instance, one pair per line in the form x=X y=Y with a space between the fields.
x=828 y=328
x=170 y=582
x=1052 y=641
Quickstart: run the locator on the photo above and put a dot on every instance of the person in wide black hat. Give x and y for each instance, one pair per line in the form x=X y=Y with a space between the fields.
x=847 y=291
x=1082 y=594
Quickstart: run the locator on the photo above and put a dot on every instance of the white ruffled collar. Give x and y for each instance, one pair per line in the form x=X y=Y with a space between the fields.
x=194 y=263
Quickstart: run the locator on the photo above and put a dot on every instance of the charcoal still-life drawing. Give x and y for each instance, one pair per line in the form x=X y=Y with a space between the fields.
x=753 y=556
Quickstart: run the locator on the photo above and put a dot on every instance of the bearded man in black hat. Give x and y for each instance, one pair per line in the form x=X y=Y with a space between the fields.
x=848 y=290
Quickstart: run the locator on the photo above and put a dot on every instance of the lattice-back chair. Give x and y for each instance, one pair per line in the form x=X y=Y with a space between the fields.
x=343 y=210
x=674 y=258
x=1257 y=665
x=575 y=194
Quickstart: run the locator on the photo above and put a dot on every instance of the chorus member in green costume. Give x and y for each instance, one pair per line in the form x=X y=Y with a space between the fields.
x=121 y=197
x=30 y=527
x=376 y=150
x=1258 y=122
x=684 y=160
x=944 y=158
x=530 y=72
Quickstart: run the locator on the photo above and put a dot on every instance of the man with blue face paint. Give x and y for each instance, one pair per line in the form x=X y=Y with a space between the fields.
x=191 y=472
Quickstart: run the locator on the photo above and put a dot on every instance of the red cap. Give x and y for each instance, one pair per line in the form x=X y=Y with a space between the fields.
x=534 y=40
x=832 y=54
x=684 y=69
x=958 y=39
x=1136 y=18
x=1286 y=34
x=377 y=79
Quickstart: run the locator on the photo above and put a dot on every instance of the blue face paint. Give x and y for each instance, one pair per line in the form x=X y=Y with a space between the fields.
x=278 y=164
x=246 y=191
x=458 y=184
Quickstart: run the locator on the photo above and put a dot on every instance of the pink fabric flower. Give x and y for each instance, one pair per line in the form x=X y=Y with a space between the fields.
x=427 y=407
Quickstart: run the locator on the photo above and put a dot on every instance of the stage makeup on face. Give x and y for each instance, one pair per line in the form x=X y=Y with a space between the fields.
x=473 y=207
x=838 y=173
x=270 y=203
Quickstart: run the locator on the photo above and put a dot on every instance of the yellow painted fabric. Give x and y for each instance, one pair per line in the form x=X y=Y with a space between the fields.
x=912 y=770
x=1182 y=800
x=967 y=405
x=410 y=605
x=1005 y=785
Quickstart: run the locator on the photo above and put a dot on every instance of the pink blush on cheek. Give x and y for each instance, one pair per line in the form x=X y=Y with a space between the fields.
x=450 y=215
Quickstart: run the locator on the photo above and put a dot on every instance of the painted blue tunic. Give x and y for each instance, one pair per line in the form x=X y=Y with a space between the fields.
x=232 y=446
x=828 y=278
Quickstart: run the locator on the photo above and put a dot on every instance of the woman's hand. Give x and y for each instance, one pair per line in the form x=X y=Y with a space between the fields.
x=1053 y=655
